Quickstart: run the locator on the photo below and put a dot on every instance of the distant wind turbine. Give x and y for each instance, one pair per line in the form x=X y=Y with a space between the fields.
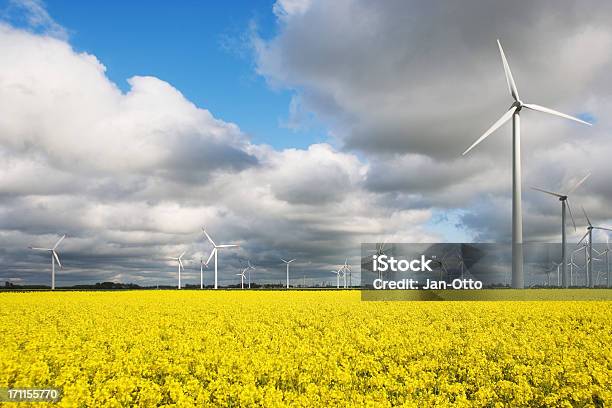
x=250 y=267
x=347 y=270
x=180 y=266
x=214 y=252
x=242 y=277
x=54 y=257
x=518 y=280
x=337 y=278
x=564 y=203
x=287 y=262
x=589 y=233
x=202 y=266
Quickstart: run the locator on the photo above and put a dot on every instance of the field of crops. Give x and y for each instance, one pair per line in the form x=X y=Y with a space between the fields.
x=240 y=348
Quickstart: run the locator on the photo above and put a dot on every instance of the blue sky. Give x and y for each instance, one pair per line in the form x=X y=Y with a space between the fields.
x=201 y=48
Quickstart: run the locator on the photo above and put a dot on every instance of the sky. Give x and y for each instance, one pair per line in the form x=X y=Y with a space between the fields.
x=296 y=128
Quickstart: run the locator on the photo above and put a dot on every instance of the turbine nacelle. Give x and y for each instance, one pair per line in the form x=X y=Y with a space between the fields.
x=517 y=105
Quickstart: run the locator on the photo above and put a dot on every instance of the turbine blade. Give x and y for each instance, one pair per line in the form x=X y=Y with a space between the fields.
x=209 y=238
x=603 y=228
x=181 y=264
x=291 y=260
x=283 y=260
x=41 y=249
x=571 y=190
x=181 y=255
x=587 y=217
x=547 y=192
x=59 y=241
x=57 y=259
x=505 y=117
x=212 y=253
x=582 y=239
x=509 y=77
x=539 y=108
x=227 y=246
x=569 y=209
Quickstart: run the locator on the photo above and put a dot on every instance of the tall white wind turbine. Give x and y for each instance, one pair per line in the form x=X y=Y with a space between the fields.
x=518 y=280
x=54 y=257
x=214 y=252
x=589 y=233
x=564 y=204
x=179 y=260
x=287 y=262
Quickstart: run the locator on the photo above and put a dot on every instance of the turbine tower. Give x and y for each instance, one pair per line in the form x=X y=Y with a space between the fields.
x=287 y=262
x=589 y=233
x=214 y=252
x=54 y=257
x=518 y=280
x=180 y=266
x=564 y=203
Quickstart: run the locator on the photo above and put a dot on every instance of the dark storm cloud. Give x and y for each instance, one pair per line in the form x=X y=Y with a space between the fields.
x=410 y=85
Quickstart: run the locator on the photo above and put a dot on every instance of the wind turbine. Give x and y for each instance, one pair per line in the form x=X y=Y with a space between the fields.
x=250 y=267
x=214 y=252
x=518 y=280
x=337 y=278
x=347 y=269
x=54 y=257
x=564 y=203
x=379 y=251
x=342 y=271
x=242 y=277
x=573 y=264
x=180 y=266
x=202 y=266
x=553 y=266
x=589 y=233
x=287 y=262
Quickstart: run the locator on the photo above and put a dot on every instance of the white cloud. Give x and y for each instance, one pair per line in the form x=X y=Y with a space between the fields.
x=131 y=177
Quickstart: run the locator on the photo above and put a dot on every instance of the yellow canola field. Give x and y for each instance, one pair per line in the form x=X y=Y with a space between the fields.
x=328 y=348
